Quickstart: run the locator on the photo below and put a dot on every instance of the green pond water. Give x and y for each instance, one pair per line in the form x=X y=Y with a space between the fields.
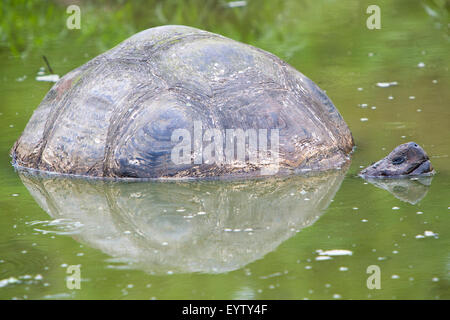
x=258 y=239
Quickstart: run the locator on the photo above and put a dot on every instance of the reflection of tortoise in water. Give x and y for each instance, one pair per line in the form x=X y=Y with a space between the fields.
x=115 y=116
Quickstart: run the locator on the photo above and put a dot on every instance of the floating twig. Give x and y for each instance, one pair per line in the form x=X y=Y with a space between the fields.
x=50 y=70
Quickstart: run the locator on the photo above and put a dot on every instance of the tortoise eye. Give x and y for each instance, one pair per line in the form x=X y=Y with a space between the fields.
x=398 y=160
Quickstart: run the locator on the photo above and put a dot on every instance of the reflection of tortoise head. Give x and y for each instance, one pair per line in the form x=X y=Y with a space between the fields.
x=196 y=226
x=406 y=189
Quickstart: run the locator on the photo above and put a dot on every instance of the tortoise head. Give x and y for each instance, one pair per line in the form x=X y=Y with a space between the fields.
x=408 y=159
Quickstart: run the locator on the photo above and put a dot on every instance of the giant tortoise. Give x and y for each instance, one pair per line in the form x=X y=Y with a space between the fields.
x=176 y=102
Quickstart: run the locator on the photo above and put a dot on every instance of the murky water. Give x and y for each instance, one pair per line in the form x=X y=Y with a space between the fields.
x=277 y=238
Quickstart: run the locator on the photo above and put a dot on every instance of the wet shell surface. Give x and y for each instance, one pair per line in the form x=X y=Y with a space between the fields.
x=115 y=116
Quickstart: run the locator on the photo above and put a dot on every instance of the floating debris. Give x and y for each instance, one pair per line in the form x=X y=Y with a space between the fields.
x=236 y=4
x=335 y=252
x=429 y=234
x=276 y=274
x=421 y=65
x=322 y=258
x=20 y=79
x=48 y=78
x=364 y=119
x=10 y=280
x=41 y=71
x=387 y=84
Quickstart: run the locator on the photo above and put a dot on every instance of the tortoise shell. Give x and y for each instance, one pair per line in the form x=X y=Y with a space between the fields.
x=115 y=116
